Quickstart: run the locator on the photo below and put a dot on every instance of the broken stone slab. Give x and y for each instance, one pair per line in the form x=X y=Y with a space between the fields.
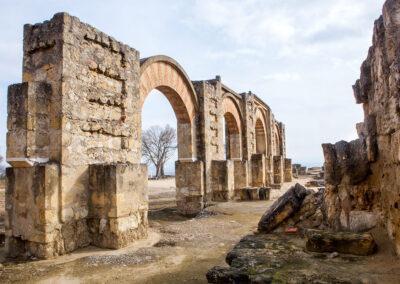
x=310 y=215
x=341 y=242
x=283 y=208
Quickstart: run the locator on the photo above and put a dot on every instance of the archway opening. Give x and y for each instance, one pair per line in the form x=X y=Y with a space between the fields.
x=231 y=137
x=261 y=145
x=162 y=125
x=165 y=75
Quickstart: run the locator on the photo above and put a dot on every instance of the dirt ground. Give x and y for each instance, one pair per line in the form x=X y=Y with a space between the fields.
x=178 y=249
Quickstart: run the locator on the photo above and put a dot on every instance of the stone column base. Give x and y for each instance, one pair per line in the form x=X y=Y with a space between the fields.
x=288 y=170
x=222 y=180
x=118 y=204
x=189 y=187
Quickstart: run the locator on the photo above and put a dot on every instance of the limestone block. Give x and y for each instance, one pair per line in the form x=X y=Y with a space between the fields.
x=288 y=170
x=118 y=204
x=257 y=170
x=189 y=187
x=28 y=123
x=32 y=198
x=222 y=180
x=241 y=173
x=283 y=208
x=278 y=170
x=269 y=170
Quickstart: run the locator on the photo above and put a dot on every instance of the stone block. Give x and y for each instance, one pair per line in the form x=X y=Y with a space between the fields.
x=118 y=204
x=222 y=180
x=32 y=224
x=28 y=123
x=241 y=173
x=283 y=208
x=257 y=170
x=288 y=170
x=189 y=187
x=278 y=170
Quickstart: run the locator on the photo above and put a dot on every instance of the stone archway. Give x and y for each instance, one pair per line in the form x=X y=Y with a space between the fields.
x=233 y=129
x=167 y=76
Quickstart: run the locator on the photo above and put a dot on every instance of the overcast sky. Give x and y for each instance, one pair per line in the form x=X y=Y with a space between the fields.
x=300 y=56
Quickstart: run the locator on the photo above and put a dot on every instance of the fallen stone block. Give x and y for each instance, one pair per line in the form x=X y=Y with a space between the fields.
x=341 y=242
x=283 y=208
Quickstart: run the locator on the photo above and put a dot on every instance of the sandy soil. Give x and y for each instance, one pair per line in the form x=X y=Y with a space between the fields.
x=178 y=250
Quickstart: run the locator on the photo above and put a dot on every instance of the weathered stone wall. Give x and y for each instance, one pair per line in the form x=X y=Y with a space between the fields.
x=362 y=176
x=74 y=140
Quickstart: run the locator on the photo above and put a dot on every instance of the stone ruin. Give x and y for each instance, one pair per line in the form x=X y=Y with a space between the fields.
x=74 y=141
x=362 y=177
x=361 y=194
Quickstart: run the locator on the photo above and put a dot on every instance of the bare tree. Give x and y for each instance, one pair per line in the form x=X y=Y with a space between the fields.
x=158 y=146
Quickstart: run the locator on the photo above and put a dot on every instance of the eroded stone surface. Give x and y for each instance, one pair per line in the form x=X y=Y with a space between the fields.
x=363 y=175
x=271 y=258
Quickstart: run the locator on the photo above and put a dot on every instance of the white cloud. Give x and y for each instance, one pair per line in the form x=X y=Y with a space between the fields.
x=282 y=77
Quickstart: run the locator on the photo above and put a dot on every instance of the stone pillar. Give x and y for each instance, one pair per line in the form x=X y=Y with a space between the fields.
x=288 y=170
x=278 y=170
x=32 y=225
x=189 y=187
x=28 y=123
x=118 y=204
x=241 y=174
x=258 y=170
x=269 y=174
x=222 y=180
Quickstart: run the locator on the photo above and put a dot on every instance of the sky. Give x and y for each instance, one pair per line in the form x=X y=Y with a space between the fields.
x=300 y=56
